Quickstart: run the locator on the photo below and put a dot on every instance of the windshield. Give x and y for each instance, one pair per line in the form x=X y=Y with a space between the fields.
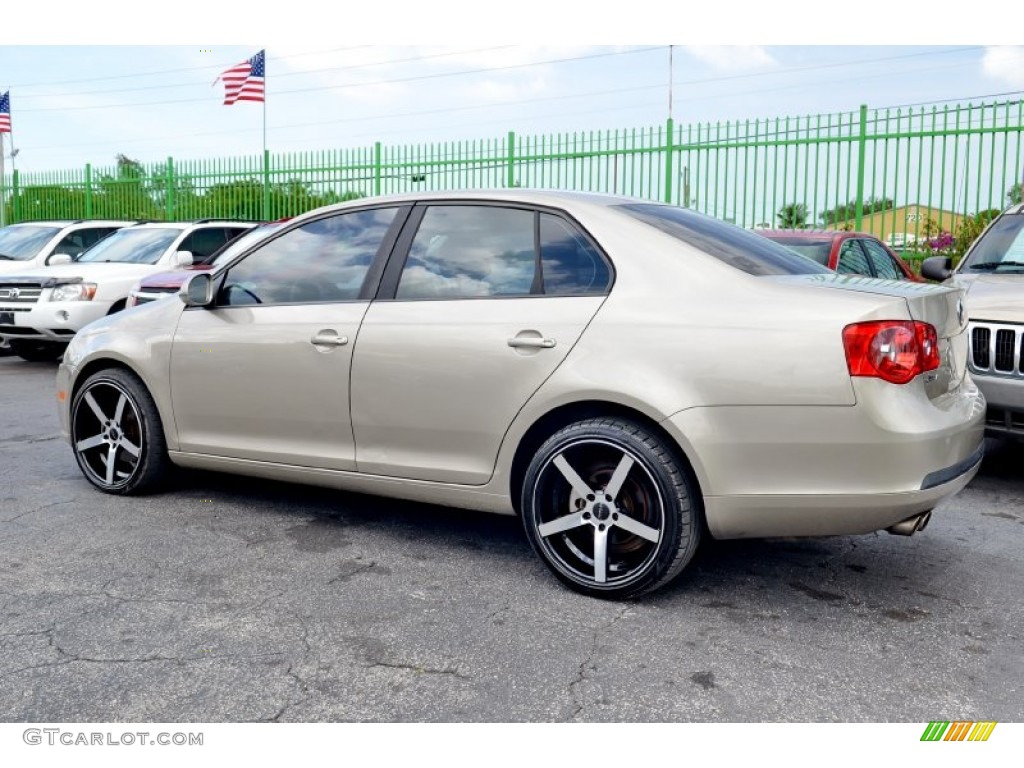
x=240 y=243
x=132 y=246
x=22 y=243
x=818 y=250
x=737 y=247
x=1000 y=249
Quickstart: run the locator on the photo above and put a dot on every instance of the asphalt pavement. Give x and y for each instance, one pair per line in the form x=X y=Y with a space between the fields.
x=231 y=599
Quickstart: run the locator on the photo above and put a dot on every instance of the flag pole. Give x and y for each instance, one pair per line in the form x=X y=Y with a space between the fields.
x=266 y=155
x=3 y=186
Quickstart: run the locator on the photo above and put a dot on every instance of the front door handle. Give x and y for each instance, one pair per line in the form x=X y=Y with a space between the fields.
x=531 y=342
x=329 y=339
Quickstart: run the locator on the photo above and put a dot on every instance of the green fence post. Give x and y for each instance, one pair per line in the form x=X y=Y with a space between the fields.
x=170 y=188
x=88 y=191
x=511 y=180
x=861 y=155
x=16 y=200
x=668 y=160
x=266 y=185
x=377 y=162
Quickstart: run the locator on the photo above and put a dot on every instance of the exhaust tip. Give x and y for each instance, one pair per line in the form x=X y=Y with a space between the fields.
x=911 y=525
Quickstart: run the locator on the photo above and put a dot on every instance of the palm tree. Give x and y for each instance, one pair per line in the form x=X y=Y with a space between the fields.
x=792 y=216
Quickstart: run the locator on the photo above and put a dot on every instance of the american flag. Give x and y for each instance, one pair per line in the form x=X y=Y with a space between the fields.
x=5 y=112
x=244 y=82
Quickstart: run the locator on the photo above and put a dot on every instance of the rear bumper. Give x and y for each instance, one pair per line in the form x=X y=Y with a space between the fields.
x=831 y=470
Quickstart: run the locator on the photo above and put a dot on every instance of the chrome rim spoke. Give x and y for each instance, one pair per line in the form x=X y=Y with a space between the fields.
x=111 y=457
x=95 y=407
x=575 y=520
x=619 y=476
x=635 y=526
x=89 y=442
x=119 y=411
x=130 y=447
x=600 y=555
x=570 y=474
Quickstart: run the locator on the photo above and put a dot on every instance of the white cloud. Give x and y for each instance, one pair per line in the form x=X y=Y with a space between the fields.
x=733 y=58
x=1005 y=63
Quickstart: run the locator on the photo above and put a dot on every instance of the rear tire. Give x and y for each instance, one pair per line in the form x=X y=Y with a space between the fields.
x=117 y=435
x=609 y=508
x=38 y=351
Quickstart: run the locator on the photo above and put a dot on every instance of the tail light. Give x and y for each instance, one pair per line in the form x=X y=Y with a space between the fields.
x=893 y=350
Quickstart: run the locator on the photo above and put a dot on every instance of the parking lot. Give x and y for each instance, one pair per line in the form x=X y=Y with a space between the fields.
x=230 y=599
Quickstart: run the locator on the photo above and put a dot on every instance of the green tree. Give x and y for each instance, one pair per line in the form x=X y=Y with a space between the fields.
x=792 y=216
x=1015 y=194
x=847 y=211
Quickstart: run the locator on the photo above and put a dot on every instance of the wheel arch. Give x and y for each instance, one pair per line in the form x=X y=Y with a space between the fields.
x=563 y=415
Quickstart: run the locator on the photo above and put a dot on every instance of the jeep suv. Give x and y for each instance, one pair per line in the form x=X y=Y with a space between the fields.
x=41 y=310
x=992 y=274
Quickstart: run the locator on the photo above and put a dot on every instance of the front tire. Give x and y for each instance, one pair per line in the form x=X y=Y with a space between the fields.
x=609 y=508
x=117 y=435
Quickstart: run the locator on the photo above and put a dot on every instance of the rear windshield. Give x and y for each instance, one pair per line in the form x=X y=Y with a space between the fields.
x=1000 y=249
x=819 y=250
x=737 y=247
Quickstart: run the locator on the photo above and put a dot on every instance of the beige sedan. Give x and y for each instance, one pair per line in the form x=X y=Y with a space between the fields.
x=625 y=376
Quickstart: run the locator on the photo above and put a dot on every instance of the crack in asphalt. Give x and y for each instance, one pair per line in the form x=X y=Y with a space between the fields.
x=587 y=663
x=38 y=509
x=419 y=669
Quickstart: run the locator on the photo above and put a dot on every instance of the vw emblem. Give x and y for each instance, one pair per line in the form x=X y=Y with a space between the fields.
x=9 y=293
x=960 y=311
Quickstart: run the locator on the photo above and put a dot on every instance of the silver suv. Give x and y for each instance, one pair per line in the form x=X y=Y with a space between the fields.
x=992 y=274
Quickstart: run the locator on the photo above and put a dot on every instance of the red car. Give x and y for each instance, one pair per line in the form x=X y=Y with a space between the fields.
x=850 y=253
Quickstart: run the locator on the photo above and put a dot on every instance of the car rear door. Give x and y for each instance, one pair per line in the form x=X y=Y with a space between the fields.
x=479 y=305
x=264 y=373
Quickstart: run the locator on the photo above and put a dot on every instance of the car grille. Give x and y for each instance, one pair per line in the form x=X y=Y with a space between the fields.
x=996 y=349
x=19 y=296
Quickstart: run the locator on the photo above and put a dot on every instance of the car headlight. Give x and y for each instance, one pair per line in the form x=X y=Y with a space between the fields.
x=74 y=292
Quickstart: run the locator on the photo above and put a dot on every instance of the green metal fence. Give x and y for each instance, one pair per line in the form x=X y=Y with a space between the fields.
x=904 y=173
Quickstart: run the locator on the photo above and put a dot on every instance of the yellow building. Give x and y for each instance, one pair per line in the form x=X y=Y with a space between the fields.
x=904 y=225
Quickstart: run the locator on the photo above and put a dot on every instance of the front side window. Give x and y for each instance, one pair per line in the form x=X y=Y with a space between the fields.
x=325 y=260
x=468 y=251
x=882 y=261
x=133 y=246
x=75 y=242
x=203 y=243
x=852 y=260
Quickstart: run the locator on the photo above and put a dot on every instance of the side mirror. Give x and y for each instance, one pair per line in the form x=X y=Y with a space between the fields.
x=197 y=290
x=937 y=268
x=59 y=258
x=183 y=259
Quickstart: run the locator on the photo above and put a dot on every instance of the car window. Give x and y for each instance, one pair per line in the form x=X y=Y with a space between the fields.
x=203 y=243
x=819 y=250
x=1000 y=248
x=322 y=261
x=737 y=247
x=882 y=262
x=569 y=263
x=22 y=243
x=470 y=251
x=852 y=260
x=143 y=245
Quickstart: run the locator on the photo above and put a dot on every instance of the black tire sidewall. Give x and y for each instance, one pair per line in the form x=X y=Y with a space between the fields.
x=680 y=518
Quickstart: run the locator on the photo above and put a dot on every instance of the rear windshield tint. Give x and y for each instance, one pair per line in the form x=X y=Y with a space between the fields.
x=737 y=247
x=819 y=250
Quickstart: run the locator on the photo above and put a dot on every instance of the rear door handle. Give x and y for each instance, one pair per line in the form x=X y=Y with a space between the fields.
x=329 y=339
x=531 y=342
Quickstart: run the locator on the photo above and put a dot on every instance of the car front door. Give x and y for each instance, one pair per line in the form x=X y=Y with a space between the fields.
x=264 y=373
x=487 y=303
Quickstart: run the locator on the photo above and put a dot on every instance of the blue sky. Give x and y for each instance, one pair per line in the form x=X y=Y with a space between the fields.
x=328 y=88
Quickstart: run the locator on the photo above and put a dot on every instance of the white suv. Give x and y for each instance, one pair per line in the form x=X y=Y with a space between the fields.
x=41 y=310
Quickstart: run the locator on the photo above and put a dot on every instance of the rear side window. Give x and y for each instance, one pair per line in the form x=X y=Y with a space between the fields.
x=569 y=263
x=852 y=260
x=737 y=247
x=882 y=261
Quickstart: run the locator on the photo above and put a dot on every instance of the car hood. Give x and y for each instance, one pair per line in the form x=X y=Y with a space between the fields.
x=997 y=298
x=91 y=271
x=173 y=279
x=18 y=267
